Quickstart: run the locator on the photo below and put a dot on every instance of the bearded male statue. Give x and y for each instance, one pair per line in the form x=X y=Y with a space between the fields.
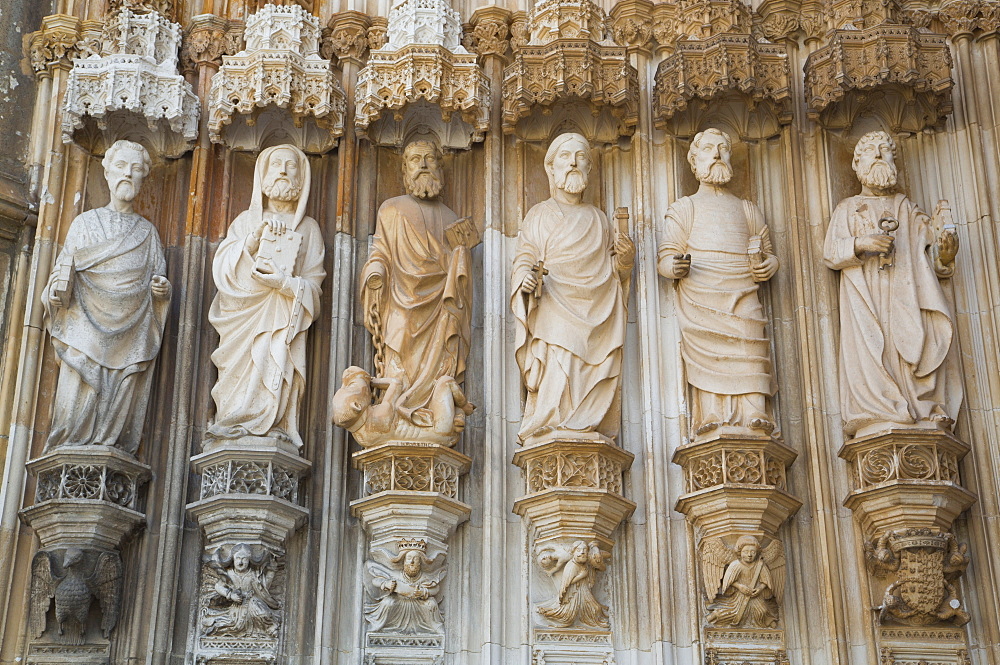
x=569 y=289
x=268 y=271
x=897 y=357
x=718 y=249
x=106 y=303
x=416 y=292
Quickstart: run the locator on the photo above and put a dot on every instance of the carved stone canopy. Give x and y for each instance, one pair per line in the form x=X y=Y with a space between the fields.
x=423 y=61
x=130 y=88
x=280 y=67
x=569 y=60
x=896 y=68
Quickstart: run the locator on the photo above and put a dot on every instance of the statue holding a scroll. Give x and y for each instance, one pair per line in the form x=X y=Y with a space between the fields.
x=268 y=271
x=569 y=289
x=897 y=353
x=416 y=291
x=106 y=304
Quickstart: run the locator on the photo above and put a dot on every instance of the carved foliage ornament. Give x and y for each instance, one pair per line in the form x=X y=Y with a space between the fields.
x=963 y=17
x=207 y=39
x=632 y=23
x=923 y=566
x=54 y=46
x=490 y=35
x=346 y=36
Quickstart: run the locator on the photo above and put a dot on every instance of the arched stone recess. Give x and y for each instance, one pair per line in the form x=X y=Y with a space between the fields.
x=422 y=80
x=279 y=69
x=567 y=71
x=719 y=72
x=125 y=85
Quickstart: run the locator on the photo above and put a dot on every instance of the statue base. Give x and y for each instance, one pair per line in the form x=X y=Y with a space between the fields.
x=903 y=644
x=747 y=646
x=61 y=653
x=572 y=646
x=396 y=649
x=906 y=479
x=86 y=497
x=236 y=651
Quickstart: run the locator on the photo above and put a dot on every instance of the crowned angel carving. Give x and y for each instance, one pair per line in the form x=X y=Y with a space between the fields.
x=402 y=590
x=73 y=580
x=745 y=583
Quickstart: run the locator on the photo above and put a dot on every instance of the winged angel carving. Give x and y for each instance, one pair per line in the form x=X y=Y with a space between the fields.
x=575 y=571
x=746 y=583
x=73 y=580
x=402 y=590
x=241 y=602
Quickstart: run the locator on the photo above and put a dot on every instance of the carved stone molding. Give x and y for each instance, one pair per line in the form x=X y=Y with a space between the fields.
x=632 y=24
x=86 y=497
x=571 y=646
x=346 y=37
x=207 y=38
x=728 y=68
x=901 y=645
x=490 y=31
x=280 y=68
x=162 y=7
x=968 y=17
x=782 y=19
x=569 y=62
x=132 y=89
x=895 y=71
x=408 y=467
x=54 y=46
x=378 y=33
x=744 y=647
x=423 y=65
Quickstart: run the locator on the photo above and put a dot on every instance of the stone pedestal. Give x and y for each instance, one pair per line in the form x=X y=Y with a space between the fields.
x=410 y=504
x=249 y=501
x=906 y=497
x=574 y=505
x=736 y=491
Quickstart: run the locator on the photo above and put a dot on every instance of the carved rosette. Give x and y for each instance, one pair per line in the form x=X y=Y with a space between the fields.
x=574 y=503
x=570 y=62
x=719 y=70
x=132 y=88
x=279 y=84
x=896 y=71
x=54 y=46
x=410 y=502
x=423 y=76
x=906 y=496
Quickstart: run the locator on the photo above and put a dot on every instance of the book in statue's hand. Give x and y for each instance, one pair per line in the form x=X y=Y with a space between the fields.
x=282 y=249
x=463 y=232
x=62 y=288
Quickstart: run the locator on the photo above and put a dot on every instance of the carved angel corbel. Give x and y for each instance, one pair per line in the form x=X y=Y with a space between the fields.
x=73 y=580
x=402 y=589
x=744 y=584
x=574 y=570
x=241 y=602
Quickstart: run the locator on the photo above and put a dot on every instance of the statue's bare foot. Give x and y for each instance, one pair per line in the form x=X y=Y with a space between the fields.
x=763 y=424
x=942 y=419
x=708 y=427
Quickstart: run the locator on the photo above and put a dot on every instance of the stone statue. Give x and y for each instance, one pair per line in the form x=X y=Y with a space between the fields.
x=106 y=303
x=403 y=589
x=73 y=580
x=268 y=271
x=417 y=296
x=569 y=289
x=897 y=360
x=718 y=248
x=240 y=603
x=575 y=572
x=746 y=584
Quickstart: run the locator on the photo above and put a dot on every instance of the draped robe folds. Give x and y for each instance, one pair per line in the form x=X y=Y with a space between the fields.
x=723 y=340
x=739 y=609
x=425 y=302
x=569 y=341
x=401 y=611
x=252 y=616
x=109 y=333
x=262 y=346
x=897 y=361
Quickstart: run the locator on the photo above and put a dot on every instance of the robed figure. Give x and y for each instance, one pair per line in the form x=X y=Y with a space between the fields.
x=569 y=290
x=746 y=583
x=718 y=248
x=106 y=303
x=897 y=355
x=416 y=287
x=268 y=271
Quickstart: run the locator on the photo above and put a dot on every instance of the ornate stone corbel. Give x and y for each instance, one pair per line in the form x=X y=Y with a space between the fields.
x=490 y=27
x=278 y=84
x=570 y=63
x=377 y=33
x=901 y=74
x=961 y=17
x=632 y=24
x=54 y=46
x=208 y=38
x=346 y=37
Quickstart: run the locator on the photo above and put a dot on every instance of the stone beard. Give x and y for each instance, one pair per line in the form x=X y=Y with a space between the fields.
x=897 y=360
x=416 y=286
x=105 y=319
x=724 y=344
x=262 y=311
x=569 y=339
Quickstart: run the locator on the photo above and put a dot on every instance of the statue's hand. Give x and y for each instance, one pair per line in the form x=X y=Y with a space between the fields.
x=876 y=243
x=389 y=587
x=268 y=273
x=681 y=265
x=947 y=246
x=624 y=250
x=765 y=270
x=159 y=287
x=375 y=281
x=529 y=283
x=56 y=301
x=277 y=225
